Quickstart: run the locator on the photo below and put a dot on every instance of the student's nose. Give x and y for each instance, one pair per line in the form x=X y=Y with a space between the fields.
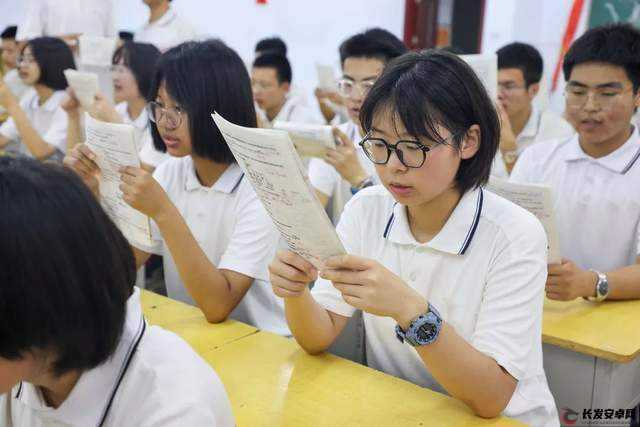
x=591 y=104
x=394 y=163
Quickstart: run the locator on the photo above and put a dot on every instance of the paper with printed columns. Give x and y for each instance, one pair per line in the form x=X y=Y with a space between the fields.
x=274 y=169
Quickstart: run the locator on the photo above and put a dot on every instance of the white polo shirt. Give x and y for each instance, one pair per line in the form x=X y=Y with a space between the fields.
x=296 y=110
x=326 y=179
x=542 y=126
x=48 y=119
x=168 y=31
x=142 y=384
x=597 y=201
x=62 y=17
x=144 y=141
x=234 y=231
x=13 y=80
x=484 y=272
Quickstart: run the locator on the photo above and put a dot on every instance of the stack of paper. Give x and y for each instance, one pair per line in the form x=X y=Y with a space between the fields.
x=269 y=159
x=486 y=68
x=309 y=140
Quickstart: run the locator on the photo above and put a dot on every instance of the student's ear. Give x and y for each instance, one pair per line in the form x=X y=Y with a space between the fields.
x=471 y=143
x=285 y=86
x=533 y=90
x=636 y=99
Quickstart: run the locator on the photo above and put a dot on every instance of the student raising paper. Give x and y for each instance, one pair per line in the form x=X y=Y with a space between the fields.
x=346 y=170
x=215 y=237
x=595 y=175
x=133 y=68
x=37 y=125
x=450 y=277
x=75 y=349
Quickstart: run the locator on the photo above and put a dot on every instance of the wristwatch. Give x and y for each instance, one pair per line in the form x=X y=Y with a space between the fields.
x=367 y=182
x=602 y=287
x=423 y=330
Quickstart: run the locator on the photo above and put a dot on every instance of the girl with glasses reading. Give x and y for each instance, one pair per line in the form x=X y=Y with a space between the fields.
x=450 y=277
x=215 y=236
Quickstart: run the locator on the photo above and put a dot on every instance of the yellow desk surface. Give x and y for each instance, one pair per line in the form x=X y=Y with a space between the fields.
x=189 y=322
x=609 y=330
x=272 y=382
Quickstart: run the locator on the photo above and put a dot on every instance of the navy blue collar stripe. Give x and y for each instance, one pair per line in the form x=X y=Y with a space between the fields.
x=387 y=229
x=237 y=183
x=474 y=225
x=631 y=163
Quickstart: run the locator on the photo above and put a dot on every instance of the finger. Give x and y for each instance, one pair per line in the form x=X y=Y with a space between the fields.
x=293 y=259
x=342 y=138
x=289 y=272
x=554 y=296
x=554 y=269
x=354 y=302
x=349 y=262
x=344 y=276
x=131 y=171
x=86 y=151
x=128 y=179
x=284 y=283
x=349 y=290
x=285 y=293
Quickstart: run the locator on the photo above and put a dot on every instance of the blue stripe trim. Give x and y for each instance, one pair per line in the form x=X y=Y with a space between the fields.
x=474 y=225
x=631 y=163
x=387 y=229
x=19 y=392
x=237 y=183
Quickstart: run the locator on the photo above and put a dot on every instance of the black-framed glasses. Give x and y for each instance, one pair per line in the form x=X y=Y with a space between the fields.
x=172 y=116
x=412 y=154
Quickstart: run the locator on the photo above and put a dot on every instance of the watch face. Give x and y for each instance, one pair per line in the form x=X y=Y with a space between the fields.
x=426 y=332
x=603 y=287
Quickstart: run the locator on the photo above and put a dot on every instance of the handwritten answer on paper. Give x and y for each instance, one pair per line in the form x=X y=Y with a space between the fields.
x=537 y=199
x=84 y=85
x=275 y=171
x=308 y=139
x=114 y=147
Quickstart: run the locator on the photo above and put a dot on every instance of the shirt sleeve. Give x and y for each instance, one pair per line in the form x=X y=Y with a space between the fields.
x=323 y=176
x=56 y=135
x=350 y=234
x=33 y=24
x=254 y=239
x=638 y=239
x=509 y=325
x=9 y=130
x=522 y=171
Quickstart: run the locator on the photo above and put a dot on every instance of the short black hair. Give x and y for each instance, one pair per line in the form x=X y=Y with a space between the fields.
x=617 y=44
x=373 y=43
x=141 y=59
x=125 y=35
x=65 y=279
x=278 y=62
x=9 y=32
x=433 y=88
x=525 y=58
x=271 y=45
x=203 y=77
x=53 y=56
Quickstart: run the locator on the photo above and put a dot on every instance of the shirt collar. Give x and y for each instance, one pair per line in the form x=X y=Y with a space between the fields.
x=620 y=161
x=165 y=19
x=227 y=183
x=457 y=233
x=94 y=392
x=532 y=126
x=50 y=104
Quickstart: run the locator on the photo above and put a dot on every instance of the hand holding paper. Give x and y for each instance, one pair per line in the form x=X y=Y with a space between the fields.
x=84 y=85
x=270 y=162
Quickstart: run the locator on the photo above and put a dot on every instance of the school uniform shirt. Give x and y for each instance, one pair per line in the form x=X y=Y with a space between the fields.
x=542 y=126
x=48 y=119
x=326 y=179
x=168 y=31
x=144 y=141
x=597 y=201
x=234 y=231
x=296 y=110
x=484 y=272
x=142 y=384
x=62 y=17
x=14 y=82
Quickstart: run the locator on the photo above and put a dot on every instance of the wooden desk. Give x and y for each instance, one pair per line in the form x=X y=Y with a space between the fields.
x=591 y=353
x=189 y=322
x=272 y=382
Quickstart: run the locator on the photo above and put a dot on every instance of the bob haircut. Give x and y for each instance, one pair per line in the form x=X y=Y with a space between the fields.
x=141 y=59
x=435 y=88
x=203 y=77
x=53 y=57
x=65 y=279
x=617 y=44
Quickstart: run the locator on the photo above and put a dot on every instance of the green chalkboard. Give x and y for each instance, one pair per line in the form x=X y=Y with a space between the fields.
x=612 y=11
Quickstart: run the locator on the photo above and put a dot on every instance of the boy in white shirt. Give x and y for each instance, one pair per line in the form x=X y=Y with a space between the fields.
x=165 y=28
x=520 y=69
x=75 y=349
x=10 y=61
x=595 y=175
x=450 y=277
x=346 y=170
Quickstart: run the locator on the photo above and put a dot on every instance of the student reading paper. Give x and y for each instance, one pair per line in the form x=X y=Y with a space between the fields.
x=215 y=236
x=37 y=125
x=450 y=277
x=346 y=169
x=595 y=175
x=75 y=349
